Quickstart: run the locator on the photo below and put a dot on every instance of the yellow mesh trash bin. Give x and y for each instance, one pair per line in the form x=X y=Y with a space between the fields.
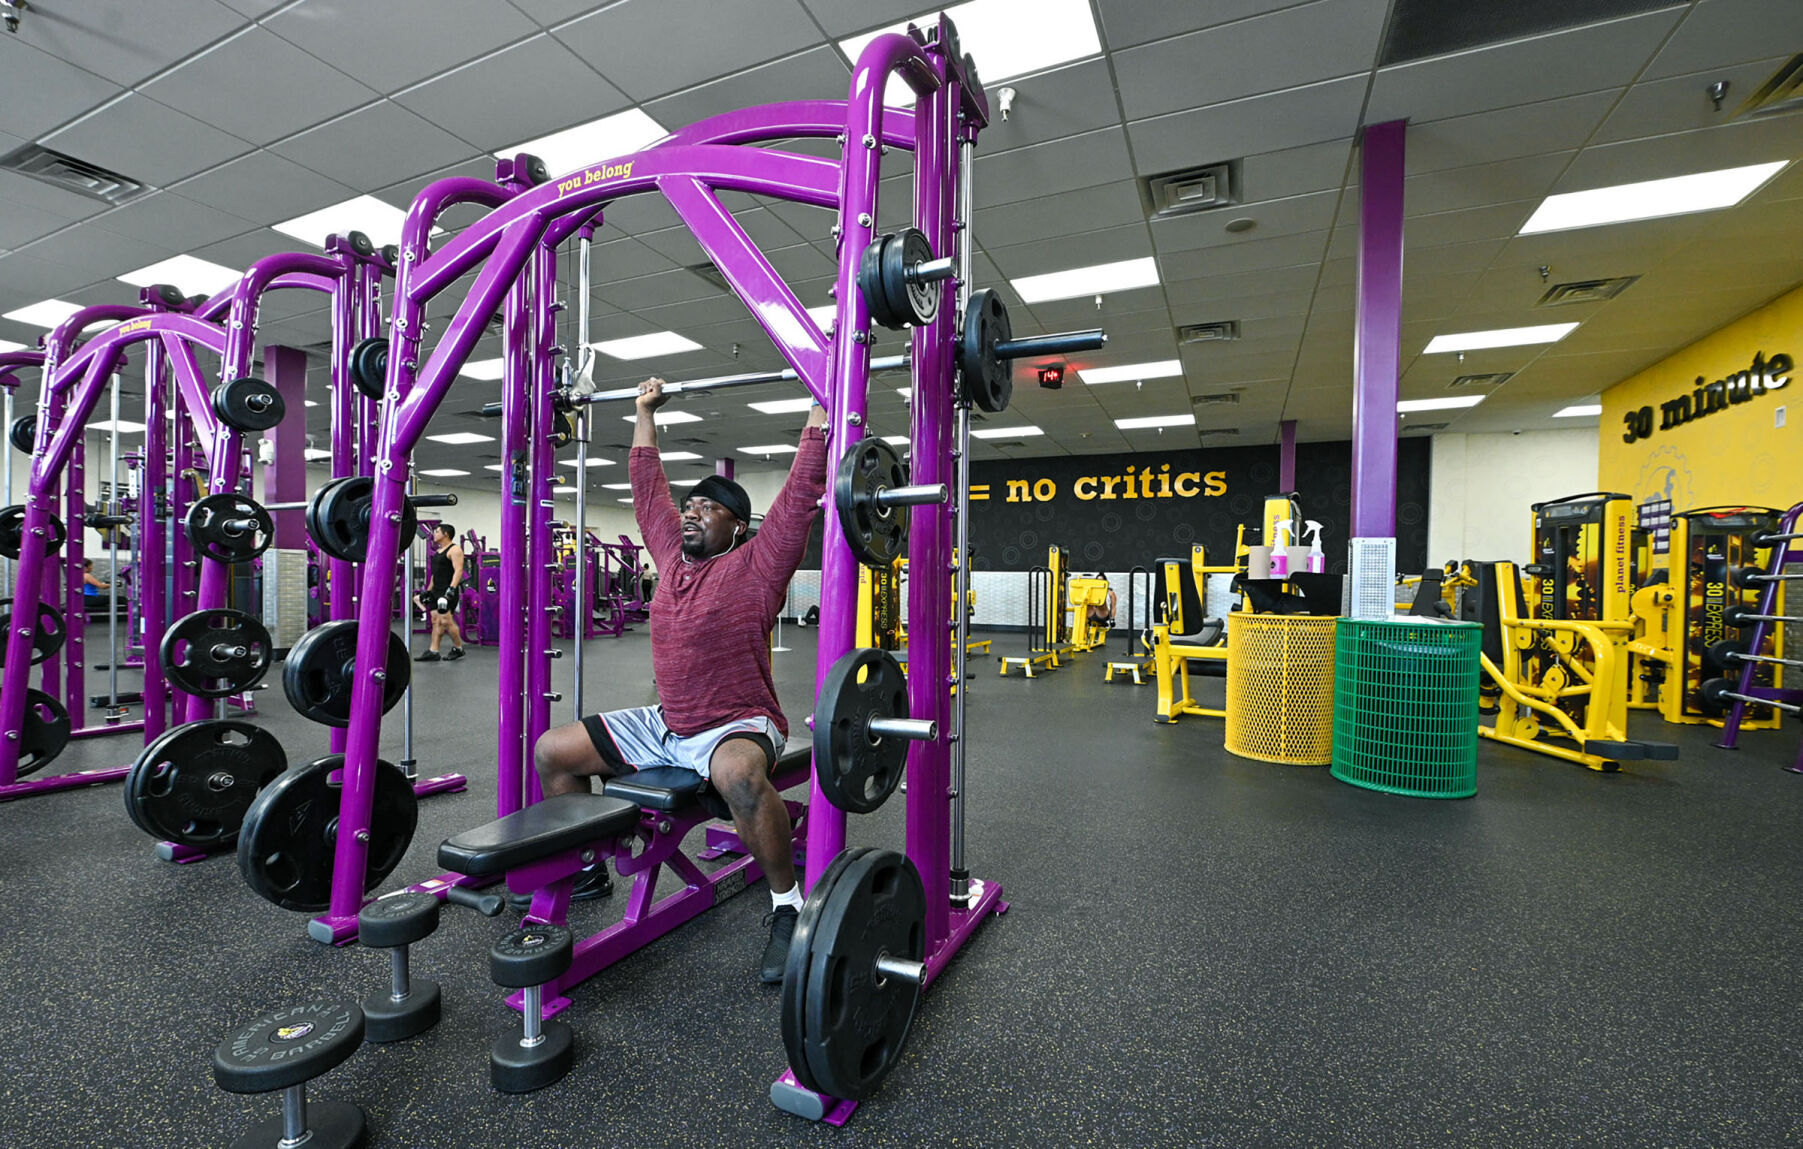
x=1280 y=688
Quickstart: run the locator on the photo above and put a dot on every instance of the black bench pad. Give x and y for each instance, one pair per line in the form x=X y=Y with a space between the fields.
x=539 y=831
x=672 y=788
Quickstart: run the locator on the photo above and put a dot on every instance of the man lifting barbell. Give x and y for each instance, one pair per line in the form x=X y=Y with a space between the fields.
x=716 y=601
x=439 y=599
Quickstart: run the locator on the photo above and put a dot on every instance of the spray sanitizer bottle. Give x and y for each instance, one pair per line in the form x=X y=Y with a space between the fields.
x=1317 y=558
x=1280 y=547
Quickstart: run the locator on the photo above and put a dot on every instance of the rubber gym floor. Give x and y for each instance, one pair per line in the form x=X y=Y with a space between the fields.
x=1202 y=951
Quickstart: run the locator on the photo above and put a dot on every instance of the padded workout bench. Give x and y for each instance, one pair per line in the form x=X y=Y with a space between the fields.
x=541 y=849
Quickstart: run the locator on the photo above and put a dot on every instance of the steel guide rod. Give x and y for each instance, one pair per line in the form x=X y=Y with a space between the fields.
x=584 y=240
x=407 y=762
x=960 y=873
x=6 y=485
x=112 y=606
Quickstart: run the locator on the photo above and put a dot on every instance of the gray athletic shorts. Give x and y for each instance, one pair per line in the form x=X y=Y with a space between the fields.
x=637 y=739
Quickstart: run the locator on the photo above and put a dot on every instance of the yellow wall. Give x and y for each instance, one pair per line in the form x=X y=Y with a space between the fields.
x=1733 y=456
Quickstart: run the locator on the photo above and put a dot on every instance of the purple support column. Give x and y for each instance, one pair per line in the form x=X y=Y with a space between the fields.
x=341 y=575
x=510 y=597
x=1286 y=456
x=285 y=480
x=1376 y=351
x=542 y=385
x=724 y=467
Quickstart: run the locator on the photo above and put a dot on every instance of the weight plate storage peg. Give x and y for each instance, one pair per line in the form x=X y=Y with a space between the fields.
x=987 y=378
x=215 y=653
x=44 y=732
x=877 y=534
x=23 y=433
x=319 y=673
x=290 y=832
x=369 y=366
x=192 y=784
x=858 y=769
x=852 y=981
x=12 y=532
x=46 y=638
x=248 y=404
x=338 y=517
x=229 y=527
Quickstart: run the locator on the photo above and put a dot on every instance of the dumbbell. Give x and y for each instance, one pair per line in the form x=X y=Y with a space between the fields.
x=284 y=1049
x=410 y=1006
x=526 y=959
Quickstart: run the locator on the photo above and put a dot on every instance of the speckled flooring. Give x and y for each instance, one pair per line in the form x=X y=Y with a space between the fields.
x=1202 y=951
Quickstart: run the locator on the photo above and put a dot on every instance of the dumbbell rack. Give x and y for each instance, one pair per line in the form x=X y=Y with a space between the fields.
x=1787 y=699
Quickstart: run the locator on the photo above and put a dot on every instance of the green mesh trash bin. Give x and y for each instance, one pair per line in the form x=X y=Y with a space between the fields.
x=1405 y=706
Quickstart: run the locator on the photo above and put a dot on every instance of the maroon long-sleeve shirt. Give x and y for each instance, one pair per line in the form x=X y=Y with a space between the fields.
x=711 y=618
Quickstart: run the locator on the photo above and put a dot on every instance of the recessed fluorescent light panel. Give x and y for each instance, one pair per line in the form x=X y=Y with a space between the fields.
x=315 y=455
x=1649 y=199
x=1009 y=41
x=48 y=313
x=592 y=462
x=1448 y=403
x=645 y=346
x=461 y=438
x=627 y=499
x=1500 y=337
x=1156 y=421
x=1579 y=410
x=666 y=417
x=677 y=456
x=8 y=345
x=769 y=449
x=896 y=440
x=125 y=426
x=824 y=314
x=483 y=369
x=1005 y=432
x=782 y=406
x=381 y=222
x=616 y=486
x=597 y=140
x=494 y=466
x=443 y=473
x=193 y=276
x=311 y=403
x=1132 y=372
x=1080 y=282
x=563 y=490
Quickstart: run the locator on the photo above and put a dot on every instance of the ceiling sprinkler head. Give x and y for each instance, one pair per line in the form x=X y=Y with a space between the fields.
x=1718 y=92
x=1005 y=98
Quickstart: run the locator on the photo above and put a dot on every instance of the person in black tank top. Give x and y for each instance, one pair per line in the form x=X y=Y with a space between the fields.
x=442 y=593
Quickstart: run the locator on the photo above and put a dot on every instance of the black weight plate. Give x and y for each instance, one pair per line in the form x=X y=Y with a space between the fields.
x=870 y=282
x=46 y=638
x=987 y=378
x=23 y=433
x=229 y=527
x=916 y=304
x=795 y=969
x=361 y=243
x=12 y=532
x=1744 y=577
x=857 y=1020
x=338 y=517
x=318 y=675
x=1711 y=692
x=369 y=366
x=248 y=404
x=1740 y=615
x=857 y=770
x=215 y=653
x=1717 y=655
x=289 y=834
x=193 y=784
x=44 y=732
x=877 y=535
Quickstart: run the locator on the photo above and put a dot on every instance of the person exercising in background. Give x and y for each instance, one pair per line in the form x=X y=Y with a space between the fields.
x=1102 y=614
x=717 y=598
x=91 y=583
x=441 y=594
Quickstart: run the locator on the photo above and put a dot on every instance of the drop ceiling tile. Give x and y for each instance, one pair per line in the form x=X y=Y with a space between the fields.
x=402 y=194
x=147 y=141
x=656 y=290
x=1282 y=251
x=1681 y=103
x=1273 y=122
x=1469 y=226
x=241 y=251
x=678 y=245
x=816 y=74
x=488 y=103
x=1068 y=213
x=1295 y=171
x=92 y=253
x=630 y=43
x=380 y=144
x=1730 y=145
x=1049 y=106
x=641 y=215
x=1087 y=160
x=1722 y=32
x=1599 y=252
x=1082 y=314
x=1454 y=189
x=265 y=187
x=1448 y=259
x=1506 y=133
x=399 y=42
x=706 y=321
x=40 y=91
x=17 y=190
x=1128 y=22
x=800 y=262
x=128 y=42
x=1587 y=59
x=1284 y=217
x=1086 y=250
x=1285 y=49
x=280 y=88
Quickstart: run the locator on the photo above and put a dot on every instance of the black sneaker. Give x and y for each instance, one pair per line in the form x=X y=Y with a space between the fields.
x=455 y=654
x=427 y=656
x=781 y=921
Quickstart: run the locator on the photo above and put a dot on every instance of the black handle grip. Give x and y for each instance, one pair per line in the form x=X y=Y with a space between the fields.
x=1061 y=344
x=488 y=905
x=99 y=522
x=445 y=500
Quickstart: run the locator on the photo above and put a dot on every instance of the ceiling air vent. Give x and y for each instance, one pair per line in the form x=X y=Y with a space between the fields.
x=1209 y=332
x=1425 y=426
x=1778 y=95
x=1193 y=189
x=1219 y=432
x=710 y=273
x=1229 y=397
x=1493 y=379
x=1586 y=291
x=71 y=174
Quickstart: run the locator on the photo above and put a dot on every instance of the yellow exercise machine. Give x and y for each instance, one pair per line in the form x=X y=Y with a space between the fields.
x=1048 y=621
x=1180 y=635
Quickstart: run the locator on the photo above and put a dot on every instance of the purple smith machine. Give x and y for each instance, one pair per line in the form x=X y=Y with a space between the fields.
x=878 y=926
x=1739 y=693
